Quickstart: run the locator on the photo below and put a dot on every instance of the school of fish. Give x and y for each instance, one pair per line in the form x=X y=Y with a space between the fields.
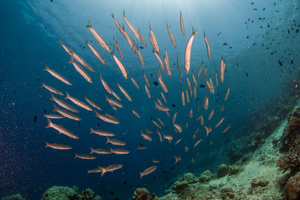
x=174 y=135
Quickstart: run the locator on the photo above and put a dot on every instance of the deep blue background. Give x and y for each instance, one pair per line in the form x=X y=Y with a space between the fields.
x=29 y=39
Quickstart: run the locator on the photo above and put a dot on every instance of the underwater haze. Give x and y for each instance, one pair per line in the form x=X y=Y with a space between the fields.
x=258 y=40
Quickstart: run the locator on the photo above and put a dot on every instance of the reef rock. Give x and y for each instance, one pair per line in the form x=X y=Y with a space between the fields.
x=292 y=188
x=222 y=170
x=189 y=177
x=206 y=176
x=259 y=182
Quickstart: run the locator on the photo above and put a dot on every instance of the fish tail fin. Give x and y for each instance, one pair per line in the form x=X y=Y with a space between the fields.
x=101 y=76
x=110 y=150
x=155 y=104
x=43 y=84
x=112 y=14
x=46 y=68
x=86 y=41
x=49 y=125
x=67 y=96
x=47 y=144
x=117 y=84
x=92 y=131
x=96 y=113
x=124 y=12
x=106 y=97
x=89 y=24
x=60 y=42
x=204 y=33
x=194 y=31
x=102 y=171
x=149 y=26
x=76 y=155
x=92 y=150
x=141 y=175
x=55 y=108
x=72 y=59
x=107 y=140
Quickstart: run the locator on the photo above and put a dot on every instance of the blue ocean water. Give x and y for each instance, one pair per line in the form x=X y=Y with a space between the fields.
x=252 y=36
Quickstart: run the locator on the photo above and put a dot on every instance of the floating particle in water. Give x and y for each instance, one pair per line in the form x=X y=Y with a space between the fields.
x=155 y=83
x=202 y=86
x=246 y=74
x=280 y=63
x=224 y=44
x=174 y=105
x=35 y=117
x=125 y=182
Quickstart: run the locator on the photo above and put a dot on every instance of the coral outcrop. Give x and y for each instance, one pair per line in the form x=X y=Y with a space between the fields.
x=222 y=170
x=180 y=186
x=291 y=144
x=143 y=194
x=292 y=188
x=189 y=177
x=66 y=193
x=205 y=176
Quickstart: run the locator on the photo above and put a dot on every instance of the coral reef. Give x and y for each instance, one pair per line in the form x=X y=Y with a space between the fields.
x=189 y=177
x=87 y=194
x=222 y=170
x=180 y=186
x=143 y=194
x=66 y=193
x=291 y=132
x=291 y=143
x=60 y=192
x=13 y=197
x=205 y=176
x=292 y=188
x=233 y=169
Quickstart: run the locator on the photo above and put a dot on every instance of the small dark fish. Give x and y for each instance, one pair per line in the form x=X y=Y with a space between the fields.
x=125 y=182
x=155 y=83
x=219 y=33
x=141 y=47
x=254 y=8
x=111 y=192
x=35 y=117
x=174 y=105
x=202 y=86
x=252 y=3
x=297 y=31
x=151 y=75
x=289 y=31
x=248 y=37
x=154 y=177
x=78 y=123
x=197 y=98
x=224 y=44
x=45 y=111
x=246 y=74
x=264 y=9
x=292 y=61
x=98 y=124
x=164 y=171
x=38 y=79
x=280 y=63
